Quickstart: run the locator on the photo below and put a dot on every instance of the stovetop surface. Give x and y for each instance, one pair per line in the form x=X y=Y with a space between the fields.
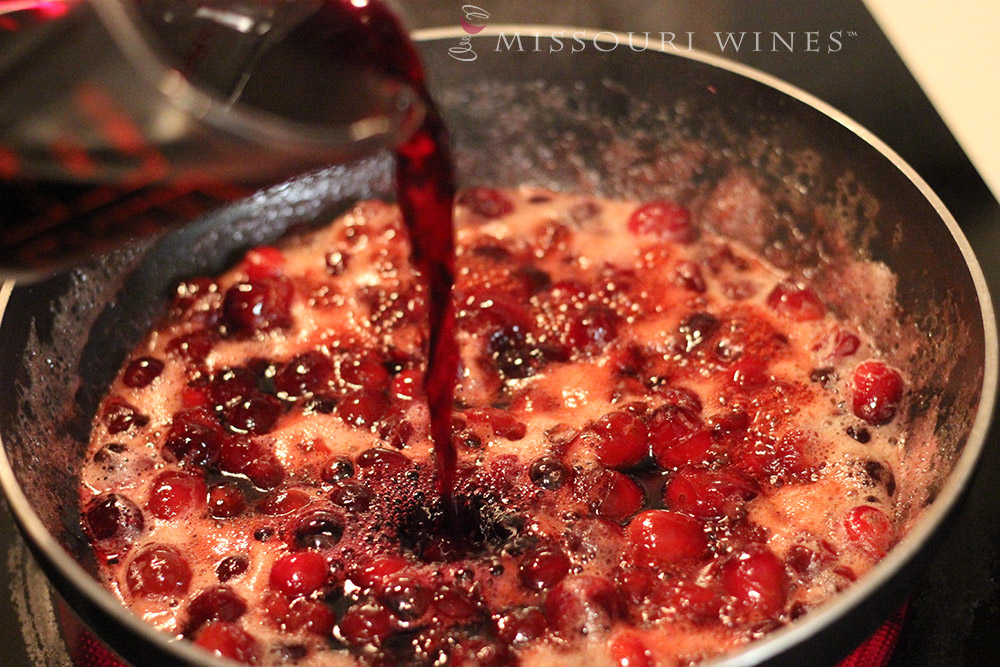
x=955 y=608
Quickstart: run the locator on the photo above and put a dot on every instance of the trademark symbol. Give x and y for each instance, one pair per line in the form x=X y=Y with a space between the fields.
x=852 y=33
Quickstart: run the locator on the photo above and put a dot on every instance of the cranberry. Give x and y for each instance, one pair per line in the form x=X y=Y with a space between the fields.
x=877 y=390
x=377 y=570
x=583 y=605
x=407 y=385
x=844 y=344
x=193 y=439
x=258 y=305
x=543 y=569
x=113 y=521
x=363 y=407
x=173 y=493
x=669 y=427
x=318 y=530
x=708 y=494
x=366 y=624
x=701 y=604
x=612 y=495
x=691 y=450
x=513 y=354
x=756 y=579
x=698 y=328
x=485 y=202
x=282 y=502
x=456 y=603
x=263 y=262
x=158 y=570
x=366 y=372
x=229 y=641
x=239 y=455
x=337 y=469
x=381 y=463
x=593 y=330
x=795 y=302
x=308 y=615
x=194 y=346
x=219 y=603
x=120 y=416
x=352 y=496
x=662 y=537
x=870 y=528
x=226 y=501
x=522 y=625
x=628 y=650
x=406 y=597
x=231 y=567
x=549 y=473
x=304 y=374
x=622 y=439
x=501 y=423
x=750 y=374
x=299 y=574
x=776 y=462
x=141 y=372
x=254 y=415
x=666 y=219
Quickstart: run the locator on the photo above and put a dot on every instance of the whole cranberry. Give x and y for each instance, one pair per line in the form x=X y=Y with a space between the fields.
x=366 y=625
x=363 y=407
x=622 y=440
x=113 y=522
x=583 y=605
x=549 y=473
x=141 y=372
x=522 y=625
x=226 y=500
x=795 y=302
x=352 y=495
x=299 y=574
x=629 y=650
x=318 y=529
x=258 y=305
x=218 y=603
x=756 y=579
x=870 y=528
x=611 y=494
x=876 y=392
x=707 y=494
x=406 y=597
x=543 y=568
x=665 y=219
x=662 y=537
x=194 y=438
x=229 y=641
x=158 y=570
x=304 y=374
x=173 y=493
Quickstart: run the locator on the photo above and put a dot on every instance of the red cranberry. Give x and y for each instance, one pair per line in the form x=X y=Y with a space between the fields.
x=219 y=603
x=844 y=344
x=708 y=494
x=513 y=354
x=231 y=567
x=456 y=603
x=756 y=579
x=193 y=439
x=363 y=407
x=366 y=625
x=254 y=415
x=750 y=374
x=231 y=386
x=405 y=597
x=583 y=605
x=377 y=570
x=381 y=463
x=239 y=455
x=173 y=493
x=366 y=372
x=299 y=574
x=141 y=372
x=669 y=426
x=308 y=615
x=666 y=219
x=661 y=537
x=337 y=469
x=407 y=385
x=543 y=569
x=120 y=416
x=629 y=650
x=318 y=530
x=229 y=641
x=877 y=390
x=480 y=652
x=283 y=502
x=263 y=262
x=549 y=473
x=353 y=496
x=622 y=440
x=304 y=374
x=113 y=521
x=258 y=305
x=777 y=463
x=226 y=501
x=194 y=346
x=158 y=570
x=522 y=625
x=701 y=604
x=485 y=202
x=612 y=495
x=697 y=329
x=870 y=528
x=794 y=302
x=691 y=450
x=593 y=330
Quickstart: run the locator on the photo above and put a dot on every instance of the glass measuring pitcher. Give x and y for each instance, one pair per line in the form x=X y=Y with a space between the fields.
x=122 y=118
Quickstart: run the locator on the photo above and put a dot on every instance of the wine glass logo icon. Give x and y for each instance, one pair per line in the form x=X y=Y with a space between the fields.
x=473 y=13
